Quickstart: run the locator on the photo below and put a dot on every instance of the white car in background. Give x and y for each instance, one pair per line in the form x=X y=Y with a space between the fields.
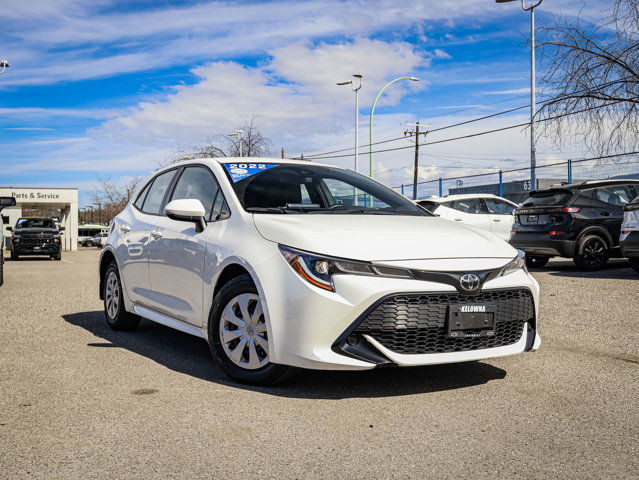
x=482 y=210
x=277 y=263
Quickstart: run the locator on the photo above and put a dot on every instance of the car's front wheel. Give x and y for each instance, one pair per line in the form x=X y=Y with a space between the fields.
x=238 y=335
x=592 y=253
x=533 y=261
x=117 y=317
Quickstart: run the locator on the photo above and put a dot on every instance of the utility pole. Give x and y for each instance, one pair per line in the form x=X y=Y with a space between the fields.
x=415 y=132
x=282 y=152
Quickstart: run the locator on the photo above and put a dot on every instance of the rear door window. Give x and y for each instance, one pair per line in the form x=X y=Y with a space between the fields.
x=155 y=196
x=617 y=195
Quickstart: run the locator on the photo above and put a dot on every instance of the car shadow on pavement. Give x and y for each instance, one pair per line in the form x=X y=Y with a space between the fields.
x=619 y=269
x=190 y=355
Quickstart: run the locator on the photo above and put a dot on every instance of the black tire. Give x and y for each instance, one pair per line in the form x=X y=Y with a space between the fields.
x=268 y=374
x=88 y=244
x=14 y=256
x=534 y=261
x=1 y=266
x=117 y=318
x=592 y=253
x=57 y=256
x=634 y=263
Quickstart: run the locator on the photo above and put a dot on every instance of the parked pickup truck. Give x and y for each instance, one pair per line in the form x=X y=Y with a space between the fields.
x=36 y=236
x=4 y=202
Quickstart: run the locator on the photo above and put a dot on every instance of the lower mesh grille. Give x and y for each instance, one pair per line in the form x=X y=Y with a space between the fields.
x=414 y=324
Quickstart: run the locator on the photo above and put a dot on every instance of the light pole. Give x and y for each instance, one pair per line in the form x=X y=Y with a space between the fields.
x=356 y=88
x=239 y=134
x=4 y=64
x=533 y=107
x=370 y=146
x=99 y=211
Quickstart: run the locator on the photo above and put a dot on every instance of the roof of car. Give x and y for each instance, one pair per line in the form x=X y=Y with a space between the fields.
x=589 y=184
x=462 y=196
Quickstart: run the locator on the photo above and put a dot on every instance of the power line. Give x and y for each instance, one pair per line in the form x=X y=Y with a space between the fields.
x=322 y=154
x=495 y=130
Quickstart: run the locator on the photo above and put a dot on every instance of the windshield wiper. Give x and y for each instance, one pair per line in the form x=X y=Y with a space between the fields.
x=266 y=210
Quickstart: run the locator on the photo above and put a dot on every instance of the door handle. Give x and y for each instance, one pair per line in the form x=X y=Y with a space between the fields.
x=156 y=234
x=496 y=219
x=125 y=228
x=458 y=219
x=606 y=213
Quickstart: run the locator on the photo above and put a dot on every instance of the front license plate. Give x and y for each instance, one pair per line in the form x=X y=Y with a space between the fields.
x=533 y=219
x=37 y=248
x=471 y=321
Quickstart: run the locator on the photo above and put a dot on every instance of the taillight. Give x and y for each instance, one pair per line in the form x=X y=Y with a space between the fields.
x=570 y=209
x=556 y=232
x=626 y=232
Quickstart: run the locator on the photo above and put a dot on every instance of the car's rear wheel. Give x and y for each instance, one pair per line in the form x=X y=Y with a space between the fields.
x=592 y=253
x=634 y=263
x=88 y=244
x=534 y=261
x=14 y=256
x=238 y=335
x=117 y=317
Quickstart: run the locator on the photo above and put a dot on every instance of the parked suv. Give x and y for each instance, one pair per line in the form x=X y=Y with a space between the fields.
x=4 y=202
x=36 y=236
x=582 y=221
x=275 y=264
x=629 y=239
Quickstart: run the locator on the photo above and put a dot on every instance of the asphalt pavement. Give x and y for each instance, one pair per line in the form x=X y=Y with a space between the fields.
x=78 y=400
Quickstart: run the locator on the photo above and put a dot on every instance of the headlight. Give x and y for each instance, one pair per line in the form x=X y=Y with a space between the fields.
x=319 y=270
x=15 y=236
x=518 y=263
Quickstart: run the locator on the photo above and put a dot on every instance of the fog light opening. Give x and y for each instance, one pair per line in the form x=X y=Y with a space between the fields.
x=352 y=340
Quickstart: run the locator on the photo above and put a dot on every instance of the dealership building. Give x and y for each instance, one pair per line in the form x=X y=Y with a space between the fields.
x=61 y=203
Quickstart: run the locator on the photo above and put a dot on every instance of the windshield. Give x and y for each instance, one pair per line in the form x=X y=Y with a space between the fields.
x=35 y=223
x=551 y=197
x=272 y=188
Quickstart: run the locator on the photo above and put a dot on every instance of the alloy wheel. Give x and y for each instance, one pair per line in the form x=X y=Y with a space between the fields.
x=112 y=295
x=243 y=332
x=595 y=253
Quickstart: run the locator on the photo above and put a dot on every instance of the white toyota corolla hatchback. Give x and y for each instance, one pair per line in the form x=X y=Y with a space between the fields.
x=286 y=263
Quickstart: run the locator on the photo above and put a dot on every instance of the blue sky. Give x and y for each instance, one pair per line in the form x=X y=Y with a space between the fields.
x=112 y=88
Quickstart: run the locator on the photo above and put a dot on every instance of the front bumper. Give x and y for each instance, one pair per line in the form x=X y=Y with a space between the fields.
x=36 y=249
x=543 y=244
x=309 y=327
x=629 y=244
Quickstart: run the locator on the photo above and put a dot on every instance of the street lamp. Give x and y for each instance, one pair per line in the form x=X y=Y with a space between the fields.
x=370 y=146
x=533 y=107
x=99 y=211
x=356 y=88
x=4 y=64
x=239 y=134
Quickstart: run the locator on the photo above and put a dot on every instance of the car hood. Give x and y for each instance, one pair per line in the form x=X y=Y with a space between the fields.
x=380 y=237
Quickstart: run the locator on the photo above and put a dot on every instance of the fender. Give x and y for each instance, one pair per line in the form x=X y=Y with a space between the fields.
x=597 y=229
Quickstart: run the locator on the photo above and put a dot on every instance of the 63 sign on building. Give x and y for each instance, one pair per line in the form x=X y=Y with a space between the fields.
x=48 y=202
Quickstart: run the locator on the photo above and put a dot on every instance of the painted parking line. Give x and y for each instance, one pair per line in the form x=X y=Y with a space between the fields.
x=66 y=261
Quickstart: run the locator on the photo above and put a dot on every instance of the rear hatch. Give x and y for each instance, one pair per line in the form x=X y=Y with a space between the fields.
x=546 y=209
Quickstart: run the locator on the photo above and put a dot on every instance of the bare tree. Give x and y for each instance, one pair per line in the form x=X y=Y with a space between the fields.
x=112 y=196
x=253 y=144
x=591 y=72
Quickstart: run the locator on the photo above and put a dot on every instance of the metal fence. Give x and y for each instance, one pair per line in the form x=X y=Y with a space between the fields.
x=514 y=184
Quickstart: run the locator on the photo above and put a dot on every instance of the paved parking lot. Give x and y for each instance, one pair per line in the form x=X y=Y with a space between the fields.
x=78 y=400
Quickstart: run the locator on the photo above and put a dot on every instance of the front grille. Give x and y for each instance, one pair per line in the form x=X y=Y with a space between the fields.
x=416 y=323
x=36 y=239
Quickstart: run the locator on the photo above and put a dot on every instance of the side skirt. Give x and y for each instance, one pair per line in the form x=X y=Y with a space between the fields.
x=166 y=320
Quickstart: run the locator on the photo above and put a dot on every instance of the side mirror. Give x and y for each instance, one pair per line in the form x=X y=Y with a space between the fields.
x=9 y=229
x=187 y=210
x=61 y=229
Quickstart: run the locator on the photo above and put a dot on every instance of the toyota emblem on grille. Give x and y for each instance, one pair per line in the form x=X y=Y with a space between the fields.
x=469 y=282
